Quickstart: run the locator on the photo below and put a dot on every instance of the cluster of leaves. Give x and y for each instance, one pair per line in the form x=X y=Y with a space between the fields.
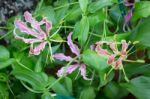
x=23 y=76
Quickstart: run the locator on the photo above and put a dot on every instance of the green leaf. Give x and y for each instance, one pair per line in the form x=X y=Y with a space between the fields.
x=83 y=5
x=76 y=30
x=38 y=66
x=141 y=10
x=118 y=37
x=88 y=93
x=95 y=6
x=3 y=77
x=38 y=80
x=56 y=38
x=48 y=12
x=57 y=87
x=142 y=33
x=4 y=53
x=97 y=17
x=6 y=63
x=68 y=84
x=113 y=91
x=4 y=94
x=139 y=87
x=47 y=95
x=74 y=13
x=97 y=62
x=84 y=30
x=92 y=59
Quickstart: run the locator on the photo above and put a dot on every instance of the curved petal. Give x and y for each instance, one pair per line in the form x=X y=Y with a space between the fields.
x=48 y=25
x=118 y=63
x=37 y=49
x=23 y=28
x=113 y=47
x=128 y=16
x=67 y=70
x=74 y=48
x=83 y=71
x=29 y=40
x=61 y=57
x=101 y=51
x=35 y=24
x=124 y=47
x=111 y=59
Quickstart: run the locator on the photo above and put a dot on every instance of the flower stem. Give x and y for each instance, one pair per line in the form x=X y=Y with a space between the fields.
x=65 y=5
x=125 y=76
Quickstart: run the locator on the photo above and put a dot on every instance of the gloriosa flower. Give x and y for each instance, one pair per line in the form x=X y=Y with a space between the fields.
x=115 y=58
x=39 y=36
x=76 y=64
x=129 y=15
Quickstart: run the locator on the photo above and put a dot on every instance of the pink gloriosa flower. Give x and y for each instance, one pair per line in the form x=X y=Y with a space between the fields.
x=69 y=69
x=129 y=14
x=38 y=35
x=115 y=63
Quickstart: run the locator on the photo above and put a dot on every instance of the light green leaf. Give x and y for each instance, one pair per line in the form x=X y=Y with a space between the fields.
x=84 y=30
x=4 y=53
x=141 y=10
x=95 y=6
x=38 y=66
x=97 y=62
x=83 y=5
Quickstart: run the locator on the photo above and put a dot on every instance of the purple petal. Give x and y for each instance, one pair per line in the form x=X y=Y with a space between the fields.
x=67 y=70
x=29 y=40
x=124 y=47
x=118 y=63
x=23 y=28
x=111 y=59
x=128 y=16
x=48 y=25
x=74 y=48
x=113 y=47
x=35 y=24
x=83 y=71
x=61 y=57
x=37 y=49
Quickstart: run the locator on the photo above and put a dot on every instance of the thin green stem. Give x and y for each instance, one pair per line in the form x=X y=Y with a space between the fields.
x=125 y=76
x=30 y=89
x=23 y=65
x=65 y=5
x=135 y=61
x=5 y=35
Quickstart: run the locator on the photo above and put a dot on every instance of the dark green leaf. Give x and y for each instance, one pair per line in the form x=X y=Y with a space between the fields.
x=57 y=87
x=142 y=33
x=139 y=87
x=38 y=80
x=88 y=93
x=6 y=63
x=47 y=95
